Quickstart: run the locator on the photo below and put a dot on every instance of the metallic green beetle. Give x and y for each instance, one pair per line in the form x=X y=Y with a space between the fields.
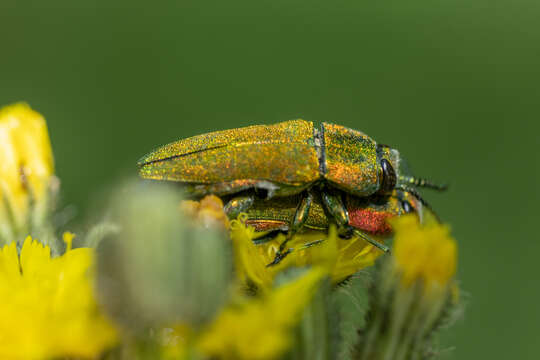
x=368 y=215
x=281 y=160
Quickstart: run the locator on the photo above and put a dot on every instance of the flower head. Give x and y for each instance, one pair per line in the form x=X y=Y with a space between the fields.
x=341 y=258
x=413 y=293
x=260 y=328
x=48 y=308
x=26 y=168
x=423 y=253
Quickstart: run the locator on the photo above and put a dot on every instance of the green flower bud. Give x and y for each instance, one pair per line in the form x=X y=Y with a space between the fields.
x=162 y=268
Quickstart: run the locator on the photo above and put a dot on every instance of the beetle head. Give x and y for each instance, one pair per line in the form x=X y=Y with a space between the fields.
x=393 y=173
x=396 y=177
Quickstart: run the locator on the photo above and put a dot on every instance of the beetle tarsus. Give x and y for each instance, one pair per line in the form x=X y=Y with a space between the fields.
x=375 y=243
x=312 y=243
x=279 y=256
x=271 y=235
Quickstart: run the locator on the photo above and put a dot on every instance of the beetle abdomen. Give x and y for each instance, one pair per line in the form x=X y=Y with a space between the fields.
x=282 y=153
x=371 y=215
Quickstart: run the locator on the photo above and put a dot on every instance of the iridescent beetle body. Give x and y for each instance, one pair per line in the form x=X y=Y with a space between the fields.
x=282 y=159
x=287 y=159
x=368 y=215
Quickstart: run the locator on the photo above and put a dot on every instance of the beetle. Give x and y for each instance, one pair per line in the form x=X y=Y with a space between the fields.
x=368 y=215
x=291 y=158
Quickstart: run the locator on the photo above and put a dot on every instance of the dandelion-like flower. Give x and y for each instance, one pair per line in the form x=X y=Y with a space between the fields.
x=340 y=257
x=260 y=329
x=413 y=295
x=48 y=307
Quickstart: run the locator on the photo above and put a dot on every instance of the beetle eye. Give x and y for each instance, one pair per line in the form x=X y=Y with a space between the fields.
x=389 y=176
x=407 y=207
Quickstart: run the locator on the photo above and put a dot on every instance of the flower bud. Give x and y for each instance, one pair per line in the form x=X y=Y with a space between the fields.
x=163 y=267
x=26 y=171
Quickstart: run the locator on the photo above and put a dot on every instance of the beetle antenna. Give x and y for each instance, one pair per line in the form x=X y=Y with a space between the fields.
x=417 y=195
x=420 y=182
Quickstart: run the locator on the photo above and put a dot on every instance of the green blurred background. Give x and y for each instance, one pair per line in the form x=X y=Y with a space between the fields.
x=454 y=85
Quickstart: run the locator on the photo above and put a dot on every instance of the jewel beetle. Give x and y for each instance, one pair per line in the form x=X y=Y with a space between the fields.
x=368 y=216
x=291 y=158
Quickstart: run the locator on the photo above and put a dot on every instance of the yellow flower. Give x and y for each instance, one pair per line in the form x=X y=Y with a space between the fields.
x=250 y=260
x=26 y=166
x=260 y=329
x=414 y=294
x=340 y=257
x=174 y=341
x=48 y=308
x=423 y=252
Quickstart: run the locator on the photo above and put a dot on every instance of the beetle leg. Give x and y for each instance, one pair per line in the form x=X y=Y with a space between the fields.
x=334 y=205
x=300 y=216
x=238 y=204
x=272 y=234
x=366 y=238
x=312 y=243
x=279 y=256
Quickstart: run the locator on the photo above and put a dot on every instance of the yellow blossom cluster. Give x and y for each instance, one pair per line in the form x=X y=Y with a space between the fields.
x=341 y=258
x=259 y=329
x=48 y=308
